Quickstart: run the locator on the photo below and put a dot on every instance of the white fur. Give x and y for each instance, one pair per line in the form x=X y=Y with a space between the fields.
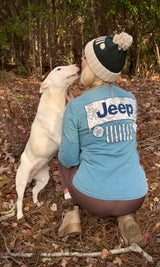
x=45 y=136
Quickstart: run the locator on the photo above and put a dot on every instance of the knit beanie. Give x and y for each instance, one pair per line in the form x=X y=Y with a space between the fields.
x=106 y=55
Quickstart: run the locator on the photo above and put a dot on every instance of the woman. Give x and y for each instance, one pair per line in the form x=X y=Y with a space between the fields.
x=99 y=162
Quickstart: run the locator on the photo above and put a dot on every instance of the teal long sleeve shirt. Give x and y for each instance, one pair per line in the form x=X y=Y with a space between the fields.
x=99 y=134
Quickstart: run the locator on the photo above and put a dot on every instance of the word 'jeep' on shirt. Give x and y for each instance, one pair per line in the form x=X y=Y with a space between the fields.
x=110 y=109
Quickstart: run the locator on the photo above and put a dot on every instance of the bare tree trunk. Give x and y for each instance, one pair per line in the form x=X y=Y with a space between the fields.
x=93 y=6
x=157 y=52
x=48 y=44
x=40 y=47
x=137 y=63
x=32 y=38
x=34 y=54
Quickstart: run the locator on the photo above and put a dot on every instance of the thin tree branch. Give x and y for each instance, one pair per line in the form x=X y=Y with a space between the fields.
x=133 y=248
x=8 y=214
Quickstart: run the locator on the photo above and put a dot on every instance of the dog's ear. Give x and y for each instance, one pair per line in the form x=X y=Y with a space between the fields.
x=43 y=87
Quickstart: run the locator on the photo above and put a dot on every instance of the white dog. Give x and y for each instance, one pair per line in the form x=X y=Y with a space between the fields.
x=45 y=136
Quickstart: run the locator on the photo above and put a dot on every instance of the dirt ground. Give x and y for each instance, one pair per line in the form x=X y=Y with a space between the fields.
x=36 y=233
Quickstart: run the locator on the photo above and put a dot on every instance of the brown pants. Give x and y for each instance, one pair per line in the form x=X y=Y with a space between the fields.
x=96 y=206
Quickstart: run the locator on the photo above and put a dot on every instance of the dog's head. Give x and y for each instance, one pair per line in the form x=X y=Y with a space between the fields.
x=61 y=77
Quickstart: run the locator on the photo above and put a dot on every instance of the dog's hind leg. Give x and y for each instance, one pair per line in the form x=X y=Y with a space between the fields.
x=22 y=178
x=42 y=178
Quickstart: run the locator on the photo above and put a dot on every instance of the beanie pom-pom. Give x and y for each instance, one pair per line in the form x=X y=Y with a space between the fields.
x=123 y=40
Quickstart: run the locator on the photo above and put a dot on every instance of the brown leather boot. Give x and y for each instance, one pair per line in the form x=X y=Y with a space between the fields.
x=130 y=231
x=71 y=224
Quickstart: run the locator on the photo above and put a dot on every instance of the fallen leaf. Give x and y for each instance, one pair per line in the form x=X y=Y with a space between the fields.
x=4 y=179
x=11 y=196
x=54 y=207
x=21 y=128
x=147 y=237
x=157 y=165
x=104 y=254
x=154 y=186
x=26 y=232
x=5 y=223
x=46 y=259
x=148 y=105
x=64 y=263
x=14 y=225
x=55 y=246
x=117 y=261
x=157 y=225
x=26 y=208
x=156 y=199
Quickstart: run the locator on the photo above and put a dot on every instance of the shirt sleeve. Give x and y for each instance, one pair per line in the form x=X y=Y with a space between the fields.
x=69 y=150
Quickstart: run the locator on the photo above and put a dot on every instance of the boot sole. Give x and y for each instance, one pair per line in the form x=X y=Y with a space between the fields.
x=71 y=229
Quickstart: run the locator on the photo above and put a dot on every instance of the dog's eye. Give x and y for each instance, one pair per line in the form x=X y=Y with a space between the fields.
x=58 y=69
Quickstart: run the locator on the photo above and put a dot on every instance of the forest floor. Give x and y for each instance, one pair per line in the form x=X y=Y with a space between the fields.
x=36 y=233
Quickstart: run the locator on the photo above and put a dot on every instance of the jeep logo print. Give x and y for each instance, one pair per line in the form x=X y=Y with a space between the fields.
x=110 y=109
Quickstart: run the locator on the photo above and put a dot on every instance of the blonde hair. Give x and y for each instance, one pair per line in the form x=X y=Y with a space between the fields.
x=89 y=78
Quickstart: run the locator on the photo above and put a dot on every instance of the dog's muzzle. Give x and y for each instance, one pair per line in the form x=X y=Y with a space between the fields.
x=79 y=66
x=77 y=73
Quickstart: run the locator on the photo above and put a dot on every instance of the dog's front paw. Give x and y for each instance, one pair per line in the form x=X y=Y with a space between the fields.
x=19 y=209
x=19 y=215
x=39 y=204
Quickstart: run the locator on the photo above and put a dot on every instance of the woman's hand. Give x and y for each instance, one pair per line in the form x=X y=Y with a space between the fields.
x=69 y=97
